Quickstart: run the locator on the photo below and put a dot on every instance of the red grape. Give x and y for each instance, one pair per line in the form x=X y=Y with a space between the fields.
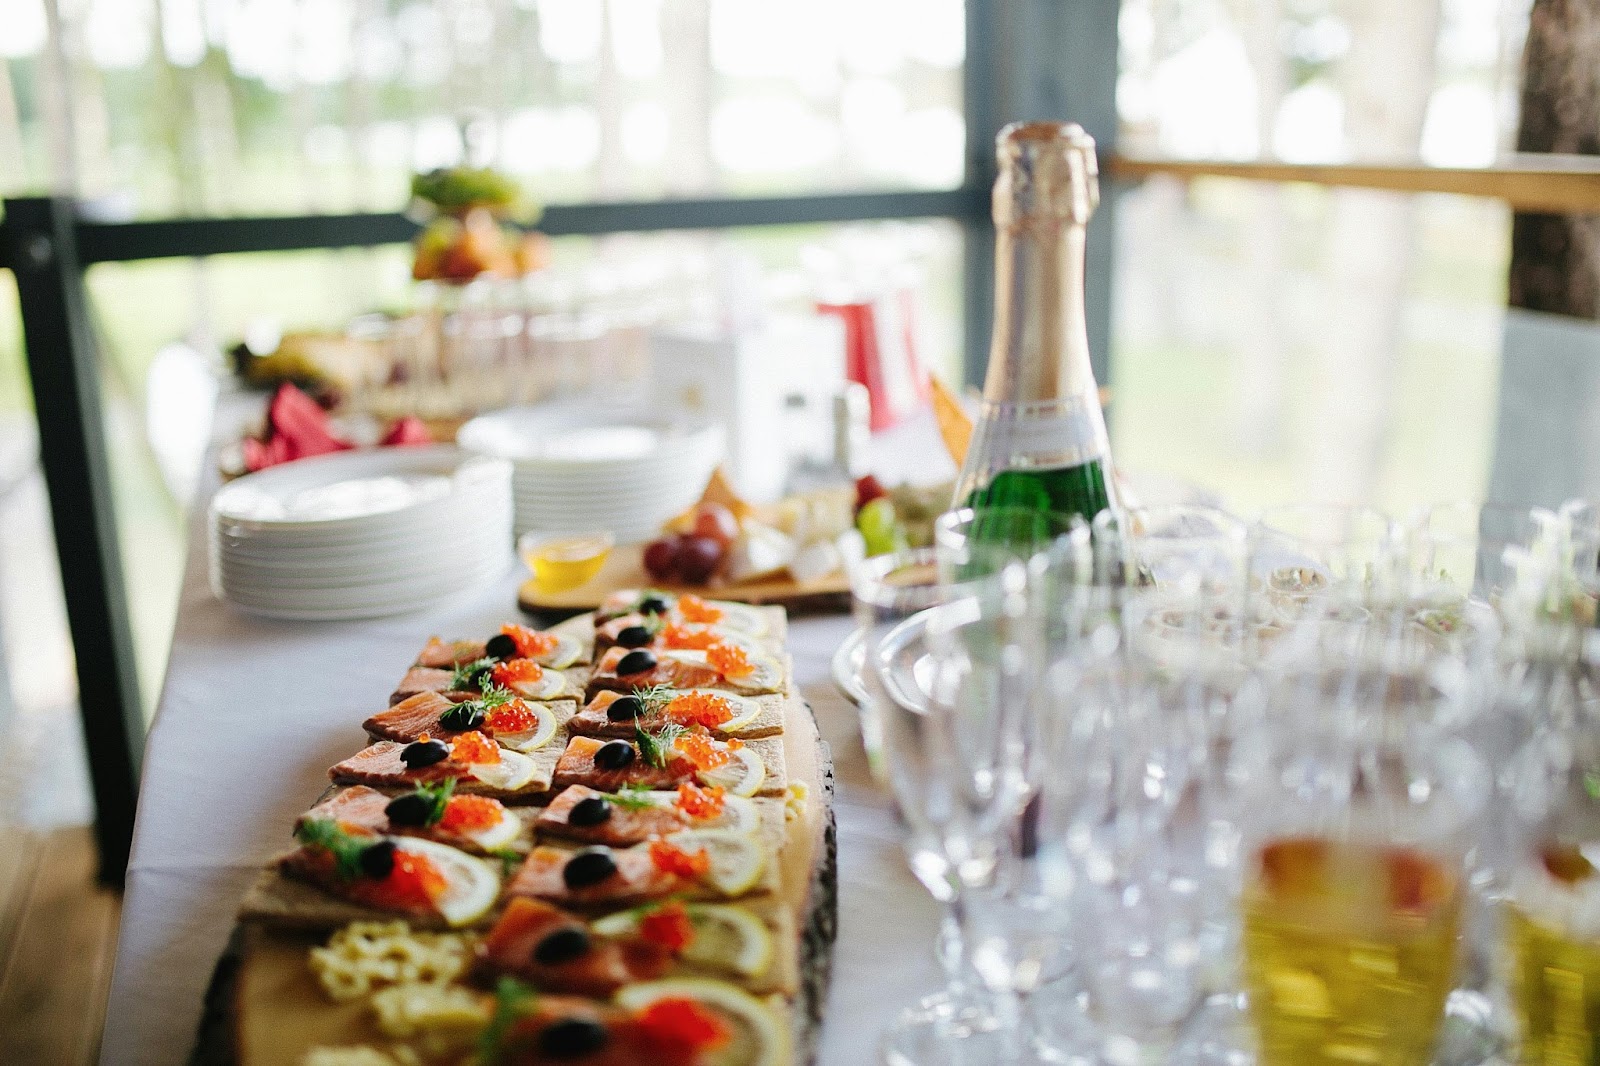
x=868 y=488
x=698 y=559
x=661 y=557
x=717 y=522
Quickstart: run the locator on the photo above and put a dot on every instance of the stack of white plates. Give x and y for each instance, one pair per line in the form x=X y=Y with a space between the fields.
x=581 y=469
x=361 y=534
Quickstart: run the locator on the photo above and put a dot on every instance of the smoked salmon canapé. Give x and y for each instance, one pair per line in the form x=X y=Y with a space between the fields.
x=693 y=864
x=723 y=714
x=558 y=951
x=632 y=815
x=515 y=723
x=723 y=667
x=765 y=623
x=556 y=648
x=410 y=876
x=666 y=758
x=524 y=678
x=477 y=824
x=476 y=764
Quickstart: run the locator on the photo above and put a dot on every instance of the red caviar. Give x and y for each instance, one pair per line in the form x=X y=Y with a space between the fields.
x=698 y=708
x=413 y=884
x=729 y=660
x=667 y=926
x=700 y=802
x=530 y=642
x=513 y=717
x=681 y=1029
x=517 y=672
x=688 y=637
x=694 y=609
x=474 y=748
x=671 y=859
x=702 y=751
x=464 y=814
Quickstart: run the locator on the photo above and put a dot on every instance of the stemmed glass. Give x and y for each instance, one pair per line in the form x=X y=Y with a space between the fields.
x=947 y=673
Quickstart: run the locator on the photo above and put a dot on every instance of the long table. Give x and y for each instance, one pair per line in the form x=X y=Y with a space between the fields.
x=254 y=712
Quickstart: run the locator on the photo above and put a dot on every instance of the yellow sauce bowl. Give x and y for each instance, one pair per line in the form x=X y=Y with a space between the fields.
x=562 y=561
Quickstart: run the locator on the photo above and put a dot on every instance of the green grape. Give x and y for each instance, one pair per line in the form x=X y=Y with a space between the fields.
x=879 y=527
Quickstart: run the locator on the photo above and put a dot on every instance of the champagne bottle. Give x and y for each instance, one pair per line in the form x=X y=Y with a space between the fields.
x=1040 y=440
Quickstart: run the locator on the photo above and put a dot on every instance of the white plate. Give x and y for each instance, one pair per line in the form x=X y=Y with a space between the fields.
x=563 y=436
x=386 y=597
x=493 y=524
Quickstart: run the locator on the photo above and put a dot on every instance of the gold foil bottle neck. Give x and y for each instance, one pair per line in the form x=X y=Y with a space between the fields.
x=1047 y=170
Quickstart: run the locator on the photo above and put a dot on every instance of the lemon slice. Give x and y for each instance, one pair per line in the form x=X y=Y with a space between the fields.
x=727 y=938
x=745 y=709
x=564 y=654
x=760 y=1037
x=742 y=617
x=737 y=859
x=497 y=836
x=471 y=885
x=535 y=738
x=739 y=776
x=766 y=677
x=512 y=772
x=550 y=685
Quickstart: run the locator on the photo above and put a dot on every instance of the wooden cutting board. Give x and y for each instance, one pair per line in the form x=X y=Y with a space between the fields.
x=624 y=569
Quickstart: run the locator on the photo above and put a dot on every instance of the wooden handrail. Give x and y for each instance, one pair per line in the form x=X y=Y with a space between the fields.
x=1559 y=184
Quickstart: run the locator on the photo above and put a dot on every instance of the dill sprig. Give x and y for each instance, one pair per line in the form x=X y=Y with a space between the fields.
x=655 y=698
x=513 y=1001
x=346 y=848
x=439 y=796
x=657 y=750
x=633 y=798
x=471 y=675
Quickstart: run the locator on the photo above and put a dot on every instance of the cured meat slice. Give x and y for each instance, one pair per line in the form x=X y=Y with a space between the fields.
x=547 y=947
x=577 y=767
x=543 y=875
x=447 y=655
x=626 y=823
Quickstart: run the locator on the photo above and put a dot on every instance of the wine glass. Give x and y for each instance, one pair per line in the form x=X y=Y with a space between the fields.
x=945 y=712
x=972 y=542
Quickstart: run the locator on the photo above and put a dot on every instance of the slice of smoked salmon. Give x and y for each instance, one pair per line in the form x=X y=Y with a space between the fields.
x=627 y=824
x=668 y=671
x=599 y=967
x=625 y=1041
x=605 y=634
x=447 y=655
x=636 y=879
x=421 y=679
x=410 y=718
x=577 y=768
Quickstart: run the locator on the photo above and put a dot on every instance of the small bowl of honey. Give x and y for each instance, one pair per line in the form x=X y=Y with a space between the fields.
x=562 y=561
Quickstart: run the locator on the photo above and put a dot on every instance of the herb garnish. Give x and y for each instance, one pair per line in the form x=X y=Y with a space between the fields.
x=471 y=675
x=513 y=1001
x=509 y=858
x=462 y=714
x=655 y=698
x=346 y=848
x=657 y=750
x=439 y=796
x=633 y=798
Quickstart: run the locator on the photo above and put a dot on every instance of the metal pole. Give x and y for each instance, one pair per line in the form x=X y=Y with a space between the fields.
x=983 y=108
x=64 y=370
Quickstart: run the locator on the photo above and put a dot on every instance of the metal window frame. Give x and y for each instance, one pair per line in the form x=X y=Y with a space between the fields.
x=1025 y=58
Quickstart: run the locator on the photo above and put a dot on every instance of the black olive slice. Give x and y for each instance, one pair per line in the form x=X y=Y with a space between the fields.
x=615 y=755
x=561 y=946
x=412 y=809
x=377 y=860
x=572 y=1038
x=624 y=708
x=500 y=646
x=591 y=810
x=634 y=637
x=424 y=753
x=653 y=605
x=588 y=868
x=463 y=716
x=635 y=662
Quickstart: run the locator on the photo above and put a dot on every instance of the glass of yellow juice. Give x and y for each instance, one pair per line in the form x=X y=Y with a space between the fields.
x=1349 y=950
x=564 y=561
x=1553 y=953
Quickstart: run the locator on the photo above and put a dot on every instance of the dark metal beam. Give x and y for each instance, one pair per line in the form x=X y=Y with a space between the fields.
x=38 y=242
x=108 y=242
x=983 y=108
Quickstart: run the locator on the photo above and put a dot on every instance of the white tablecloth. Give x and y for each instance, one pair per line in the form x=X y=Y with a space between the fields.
x=253 y=714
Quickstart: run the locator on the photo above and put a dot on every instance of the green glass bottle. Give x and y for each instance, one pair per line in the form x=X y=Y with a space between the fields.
x=1040 y=440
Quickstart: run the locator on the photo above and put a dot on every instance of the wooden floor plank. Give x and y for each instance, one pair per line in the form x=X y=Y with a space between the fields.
x=52 y=985
x=19 y=860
